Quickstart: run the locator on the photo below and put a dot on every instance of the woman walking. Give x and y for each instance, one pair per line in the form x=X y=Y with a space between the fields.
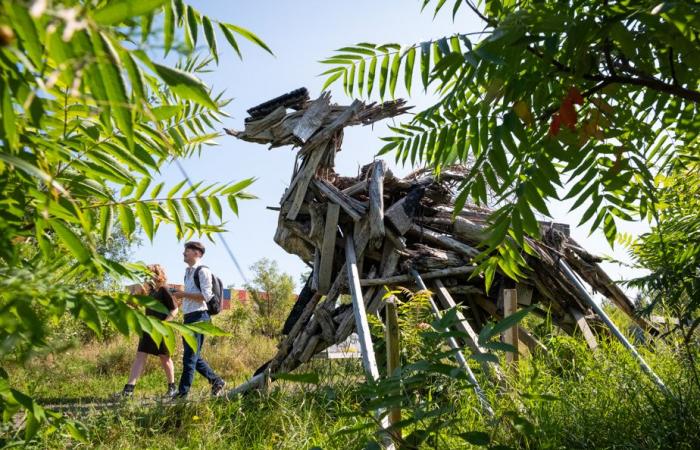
x=155 y=287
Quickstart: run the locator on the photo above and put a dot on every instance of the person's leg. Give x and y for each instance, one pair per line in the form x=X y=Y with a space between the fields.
x=201 y=365
x=167 y=363
x=137 y=368
x=189 y=361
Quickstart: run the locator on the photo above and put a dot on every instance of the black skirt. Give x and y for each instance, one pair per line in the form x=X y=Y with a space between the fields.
x=148 y=345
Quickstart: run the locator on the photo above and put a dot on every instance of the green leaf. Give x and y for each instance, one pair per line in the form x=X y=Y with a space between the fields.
x=141 y=187
x=9 y=119
x=383 y=73
x=72 y=242
x=176 y=188
x=106 y=219
x=25 y=28
x=408 y=68
x=371 y=75
x=117 y=11
x=504 y=324
x=186 y=86
x=192 y=26
x=394 y=75
x=176 y=212
x=211 y=37
x=145 y=219
x=425 y=63
x=127 y=220
x=250 y=36
x=228 y=34
x=168 y=27
x=476 y=437
x=115 y=87
x=331 y=79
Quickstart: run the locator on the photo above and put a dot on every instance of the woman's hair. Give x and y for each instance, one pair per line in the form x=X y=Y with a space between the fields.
x=159 y=277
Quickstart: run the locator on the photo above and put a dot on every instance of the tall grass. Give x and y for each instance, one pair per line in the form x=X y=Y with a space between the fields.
x=568 y=398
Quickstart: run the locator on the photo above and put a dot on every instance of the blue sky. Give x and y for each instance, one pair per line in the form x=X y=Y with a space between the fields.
x=300 y=34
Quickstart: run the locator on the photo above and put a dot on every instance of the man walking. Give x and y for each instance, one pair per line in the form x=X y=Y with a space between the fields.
x=194 y=308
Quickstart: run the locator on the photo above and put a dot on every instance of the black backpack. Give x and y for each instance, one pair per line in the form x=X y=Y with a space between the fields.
x=217 y=289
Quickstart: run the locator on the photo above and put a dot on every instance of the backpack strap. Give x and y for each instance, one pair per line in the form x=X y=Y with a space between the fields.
x=196 y=277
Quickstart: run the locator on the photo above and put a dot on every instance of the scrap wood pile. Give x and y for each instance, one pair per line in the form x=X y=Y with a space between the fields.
x=397 y=225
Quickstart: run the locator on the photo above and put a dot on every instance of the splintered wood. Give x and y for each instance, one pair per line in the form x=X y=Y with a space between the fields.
x=400 y=225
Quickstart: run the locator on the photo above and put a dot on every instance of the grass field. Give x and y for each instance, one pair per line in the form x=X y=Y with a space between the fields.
x=568 y=398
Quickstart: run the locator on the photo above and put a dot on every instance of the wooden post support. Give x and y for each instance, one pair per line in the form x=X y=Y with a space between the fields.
x=328 y=250
x=459 y=356
x=392 y=354
x=510 y=336
x=585 y=329
x=361 y=325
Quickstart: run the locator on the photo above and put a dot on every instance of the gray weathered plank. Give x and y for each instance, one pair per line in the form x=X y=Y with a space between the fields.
x=328 y=251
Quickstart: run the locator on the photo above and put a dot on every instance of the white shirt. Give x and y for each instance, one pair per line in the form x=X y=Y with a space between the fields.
x=189 y=306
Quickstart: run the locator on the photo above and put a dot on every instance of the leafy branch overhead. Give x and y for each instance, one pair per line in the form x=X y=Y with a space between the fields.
x=552 y=100
x=90 y=115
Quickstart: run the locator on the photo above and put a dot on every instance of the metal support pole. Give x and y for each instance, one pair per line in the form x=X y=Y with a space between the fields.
x=455 y=346
x=598 y=310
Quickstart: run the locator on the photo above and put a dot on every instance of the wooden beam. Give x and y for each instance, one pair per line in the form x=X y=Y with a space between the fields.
x=393 y=355
x=361 y=325
x=452 y=271
x=585 y=329
x=316 y=148
x=328 y=251
x=443 y=240
x=376 y=202
x=336 y=196
x=313 y=117
x=510 y=336
x=355 y=188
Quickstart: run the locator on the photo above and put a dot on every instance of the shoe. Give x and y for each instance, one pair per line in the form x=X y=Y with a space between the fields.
x=179 y=396
x=172 y=391
x=218 y=388
x=127 y=392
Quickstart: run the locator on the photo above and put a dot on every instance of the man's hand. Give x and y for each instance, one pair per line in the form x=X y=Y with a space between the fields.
x=179 y=295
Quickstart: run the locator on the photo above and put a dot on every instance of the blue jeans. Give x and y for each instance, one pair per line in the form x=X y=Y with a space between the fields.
x=192 y=358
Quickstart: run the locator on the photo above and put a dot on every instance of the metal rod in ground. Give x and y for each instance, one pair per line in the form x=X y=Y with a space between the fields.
x=358 y=305
x=584 y=294
x=455 y=346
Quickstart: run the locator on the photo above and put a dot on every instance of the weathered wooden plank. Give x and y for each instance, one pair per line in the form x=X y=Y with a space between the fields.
x=585 y=329
x=328 y=251
x=325 y=321
x=361 y=325
x=463 y=326
x=315 y=148
x=336 y=196
x=510 y=336
x=313 y=117
x=393 y=353
x=443 y=240
x=524 y=294
x=355 y=188
x=315 y=272
x=376 y=202
x=452 y=271
x=399 y=218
